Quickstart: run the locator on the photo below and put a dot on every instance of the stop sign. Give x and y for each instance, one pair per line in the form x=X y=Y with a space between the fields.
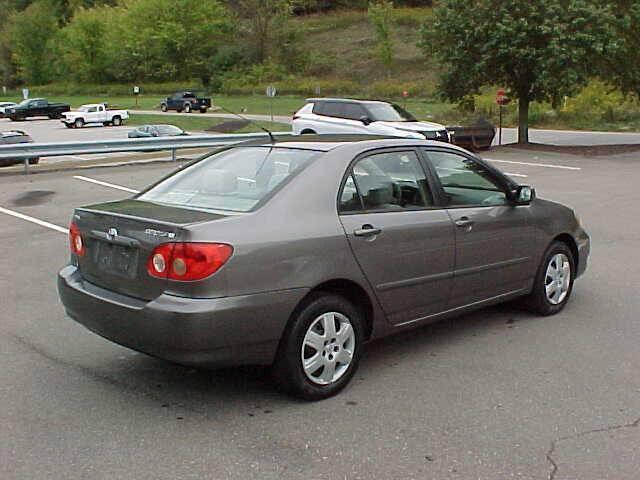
x=501 y=97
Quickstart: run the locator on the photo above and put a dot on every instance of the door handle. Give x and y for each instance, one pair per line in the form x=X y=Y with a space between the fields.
x=464 y=222
x=367 y=231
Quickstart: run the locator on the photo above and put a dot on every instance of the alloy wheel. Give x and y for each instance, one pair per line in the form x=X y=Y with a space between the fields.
x=557 y=279
x=328 y=348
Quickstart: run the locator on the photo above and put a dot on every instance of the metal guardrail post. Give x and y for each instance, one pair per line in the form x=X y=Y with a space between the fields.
x=26 y=166
x=173 y=154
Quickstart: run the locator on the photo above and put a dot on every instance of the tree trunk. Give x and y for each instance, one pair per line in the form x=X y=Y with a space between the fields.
x=523 y=119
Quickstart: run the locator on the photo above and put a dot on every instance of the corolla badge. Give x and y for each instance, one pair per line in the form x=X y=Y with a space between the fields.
x=112 y=233
x=159 y=233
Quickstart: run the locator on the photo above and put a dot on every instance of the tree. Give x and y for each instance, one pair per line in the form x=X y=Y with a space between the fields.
x=33 y=31
x=381 y=16
x=621 y=62
x=264 y=19
x=537 y=49
x=86 y=45
x=169 y=39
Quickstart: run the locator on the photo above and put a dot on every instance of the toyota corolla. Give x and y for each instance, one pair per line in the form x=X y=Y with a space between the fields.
x=298 y=252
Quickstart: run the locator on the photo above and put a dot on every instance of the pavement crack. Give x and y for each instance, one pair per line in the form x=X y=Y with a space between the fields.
x=554 y=443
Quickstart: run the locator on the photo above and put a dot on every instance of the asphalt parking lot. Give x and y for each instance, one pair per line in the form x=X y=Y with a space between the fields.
x=493 y=395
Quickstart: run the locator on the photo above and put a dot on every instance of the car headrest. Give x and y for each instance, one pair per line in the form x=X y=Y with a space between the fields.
x=218 y=182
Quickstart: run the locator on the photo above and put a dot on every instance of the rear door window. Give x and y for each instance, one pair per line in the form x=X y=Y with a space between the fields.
x=386 y=181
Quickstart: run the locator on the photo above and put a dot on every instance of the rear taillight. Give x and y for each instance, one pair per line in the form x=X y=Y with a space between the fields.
x=75 y=240
x=187 y=261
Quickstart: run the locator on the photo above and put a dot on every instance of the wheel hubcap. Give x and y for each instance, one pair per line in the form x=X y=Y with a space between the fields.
x=557 y=278
x=328 y=348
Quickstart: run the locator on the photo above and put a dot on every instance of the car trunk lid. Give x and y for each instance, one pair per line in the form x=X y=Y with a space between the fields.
x=120 y=236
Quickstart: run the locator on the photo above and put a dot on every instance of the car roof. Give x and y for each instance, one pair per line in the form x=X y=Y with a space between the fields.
x=326 y=143
x=345 y=100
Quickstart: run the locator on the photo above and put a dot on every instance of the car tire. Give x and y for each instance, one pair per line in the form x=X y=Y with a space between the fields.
x=34 y=161
x=307 y=326
x=78 y=123
x=554 y=281
x=116 y=121
x=187 y=108
x=203 y=110
x=163 y=107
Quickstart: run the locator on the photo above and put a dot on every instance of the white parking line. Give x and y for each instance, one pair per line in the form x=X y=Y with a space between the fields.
x=42 y=223
x=547 y=165
x=516 y=175
x=105 y=184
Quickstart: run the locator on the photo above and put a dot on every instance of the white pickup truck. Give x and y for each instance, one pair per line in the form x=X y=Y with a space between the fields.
x=94 y=113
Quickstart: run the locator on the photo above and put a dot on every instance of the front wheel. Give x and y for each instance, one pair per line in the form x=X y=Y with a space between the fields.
x=554 y=281
x=320 y=349
x=187 y=108
x=203 y=110
x=116 y=121
x=164 y=107
x=79 y=123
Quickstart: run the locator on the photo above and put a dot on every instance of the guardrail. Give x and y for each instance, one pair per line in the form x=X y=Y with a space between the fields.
x=36 y=150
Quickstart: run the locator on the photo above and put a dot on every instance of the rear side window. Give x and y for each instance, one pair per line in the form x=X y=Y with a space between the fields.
x=329 y=109
x=235 y=179
x=386 y=181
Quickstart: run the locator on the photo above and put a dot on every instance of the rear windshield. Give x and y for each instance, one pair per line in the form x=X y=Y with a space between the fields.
x=235 y=179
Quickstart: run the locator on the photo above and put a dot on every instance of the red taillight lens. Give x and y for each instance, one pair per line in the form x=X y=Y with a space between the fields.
x=75 y=240
x=187 y=261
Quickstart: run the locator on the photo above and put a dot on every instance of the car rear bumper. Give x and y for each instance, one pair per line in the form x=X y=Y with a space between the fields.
x=203 y=332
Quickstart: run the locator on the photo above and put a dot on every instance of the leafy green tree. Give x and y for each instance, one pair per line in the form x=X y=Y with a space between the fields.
x=621 y=62
x=32 y=33
x=169 y=39
x=263 y=24
x=536 y=49
x=381 y=16
x=86 y=45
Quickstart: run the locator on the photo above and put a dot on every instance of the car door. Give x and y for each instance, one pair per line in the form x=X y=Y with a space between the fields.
x=402 y=241
x=495 y=238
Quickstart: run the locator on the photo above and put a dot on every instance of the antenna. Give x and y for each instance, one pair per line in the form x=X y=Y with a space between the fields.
x=264 y=129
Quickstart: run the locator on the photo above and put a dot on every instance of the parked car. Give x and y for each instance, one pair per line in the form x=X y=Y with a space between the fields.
x=186 y=102
x=144 y=131
x=36 y=107
x=12 y=137
x=297 y=252
x=4 y=106
x=477 y=136
x=94 y=113
x=340 y=116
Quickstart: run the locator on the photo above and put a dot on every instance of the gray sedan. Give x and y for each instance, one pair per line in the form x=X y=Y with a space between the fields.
x=296 y=253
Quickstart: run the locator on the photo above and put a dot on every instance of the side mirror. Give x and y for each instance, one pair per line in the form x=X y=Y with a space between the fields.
x=366 y=120
x=523 y=195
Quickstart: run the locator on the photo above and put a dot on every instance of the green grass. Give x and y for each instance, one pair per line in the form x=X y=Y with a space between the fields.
x=199 y=124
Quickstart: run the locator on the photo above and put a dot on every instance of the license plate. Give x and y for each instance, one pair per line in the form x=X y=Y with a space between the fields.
x=117 y=259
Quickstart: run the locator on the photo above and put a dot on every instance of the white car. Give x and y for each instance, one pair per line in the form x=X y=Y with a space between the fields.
x=5 y=105
x=347 y=116
x=94 y=113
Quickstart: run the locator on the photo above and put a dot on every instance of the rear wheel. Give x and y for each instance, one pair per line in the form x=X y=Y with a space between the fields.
x=203 y=110
x=320 y=350
x=554 y=281
x=187 y=108
x=34 y=161
x=79 y=123
x=116 y=121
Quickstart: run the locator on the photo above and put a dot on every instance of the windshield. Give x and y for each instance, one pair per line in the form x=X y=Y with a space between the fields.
x=389 y=112
x=235 y=179
x=84 y=108
x=24 y=103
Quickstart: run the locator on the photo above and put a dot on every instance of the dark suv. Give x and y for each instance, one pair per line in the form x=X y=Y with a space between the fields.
x=186 y=101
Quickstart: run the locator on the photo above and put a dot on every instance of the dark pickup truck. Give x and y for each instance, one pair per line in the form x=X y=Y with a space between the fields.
x=36 y=107
x=186 y=101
